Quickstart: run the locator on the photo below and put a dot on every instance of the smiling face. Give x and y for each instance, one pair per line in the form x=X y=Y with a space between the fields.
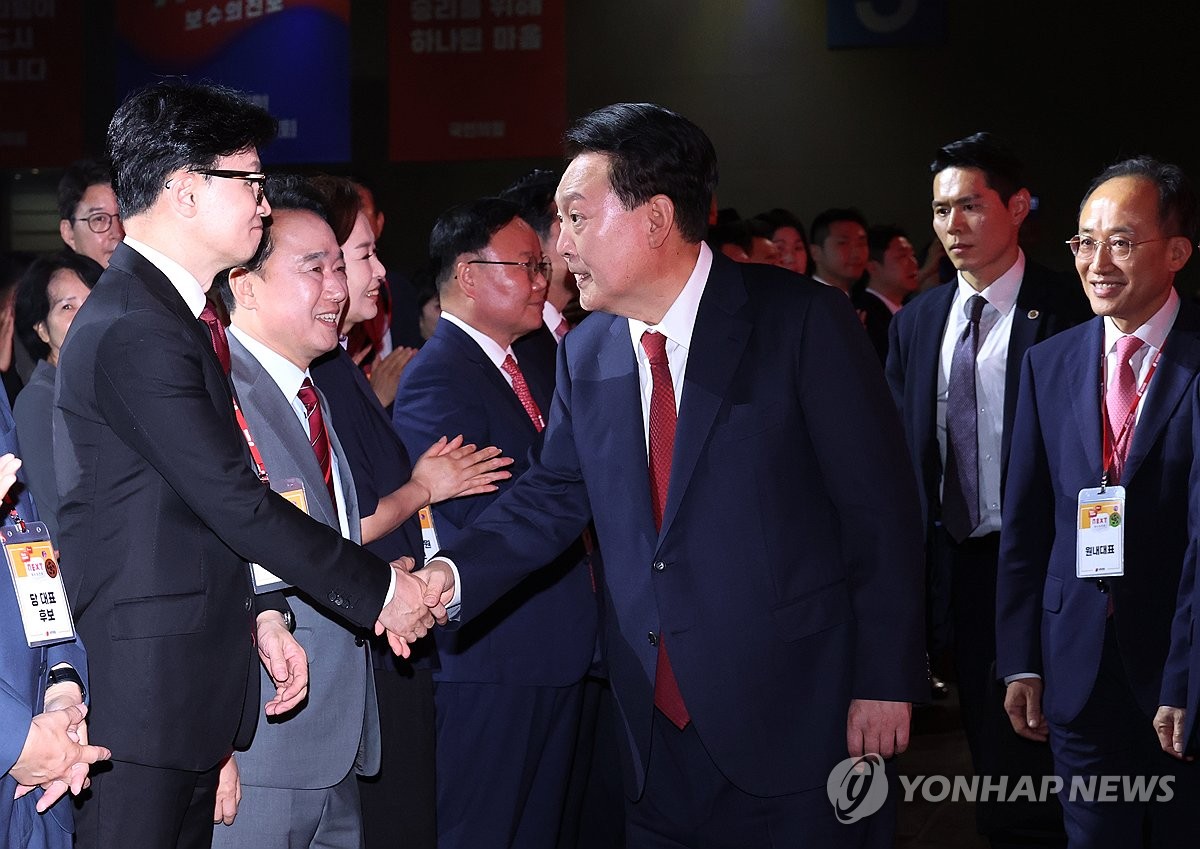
x=293 y=303
x=978 y=230
x=66 y=292
x=1131 y=290
x=364 y=273
x=98 y=199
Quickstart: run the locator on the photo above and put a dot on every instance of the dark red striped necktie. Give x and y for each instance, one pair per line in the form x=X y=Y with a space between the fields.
x=318 y=436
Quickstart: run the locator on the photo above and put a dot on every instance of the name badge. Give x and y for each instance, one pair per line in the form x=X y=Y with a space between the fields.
x=429 y=537
x=1100 y=542
x=264 y=580
x=37 y=581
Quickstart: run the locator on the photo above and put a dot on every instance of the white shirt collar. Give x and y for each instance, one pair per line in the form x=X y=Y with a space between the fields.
x=678 y=322
x=552 y=316
x=1002 y=294
x=188 y=287
x=282 y=370
x=1153 y=332
x=489 y=345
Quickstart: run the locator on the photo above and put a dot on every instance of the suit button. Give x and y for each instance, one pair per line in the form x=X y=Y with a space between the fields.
x=360 y=642
x=652 y=638
x=333 y=597
x=249 y=604
x=659 y=565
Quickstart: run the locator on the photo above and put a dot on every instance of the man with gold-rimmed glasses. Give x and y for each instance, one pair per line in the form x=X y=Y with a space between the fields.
x=1096 y=517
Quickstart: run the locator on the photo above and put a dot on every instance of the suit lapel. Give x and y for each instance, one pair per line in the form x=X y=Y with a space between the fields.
x=926 y=354
x=277 y=430
x=490 y=375
x=718 y=341
x=1029 y=326
x=1082 y=381
x=1177 y=366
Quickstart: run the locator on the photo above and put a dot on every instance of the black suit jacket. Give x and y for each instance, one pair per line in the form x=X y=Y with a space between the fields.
x=160 y=513
x=876 y=319
x=1048 y=302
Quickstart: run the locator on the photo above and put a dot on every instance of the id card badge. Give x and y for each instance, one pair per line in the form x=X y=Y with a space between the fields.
x=264 y=580
x=38 y=583
x=429 y=538
x=1100 y=540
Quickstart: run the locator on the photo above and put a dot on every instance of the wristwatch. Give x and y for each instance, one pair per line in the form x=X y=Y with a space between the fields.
x=62 y=674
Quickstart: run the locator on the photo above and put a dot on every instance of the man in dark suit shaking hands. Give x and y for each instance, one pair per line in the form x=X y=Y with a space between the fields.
x=160 y=510
x=746 y=471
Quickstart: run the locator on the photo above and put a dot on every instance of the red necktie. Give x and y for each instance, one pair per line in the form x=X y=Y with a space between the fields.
x=318 y=436
x=1122 y=390
x=523 y=394
x=216 y=332
x=667 y=697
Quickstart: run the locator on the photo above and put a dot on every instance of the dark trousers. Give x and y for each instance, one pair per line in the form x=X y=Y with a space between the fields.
x=1112 y=736
x=147 y=807
x=996 y=750
x=689 y=804
x=594 y=813
x=399 y=804
x=503 y=759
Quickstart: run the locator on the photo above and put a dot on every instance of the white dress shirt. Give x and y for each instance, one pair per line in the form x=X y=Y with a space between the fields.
x=189 y=287
x=991 y=367
x=552 y=317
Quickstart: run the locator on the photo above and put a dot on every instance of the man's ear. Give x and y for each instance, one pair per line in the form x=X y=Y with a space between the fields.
x=660 y=216
x=67 y=232
x=180 y=193
x=242 y=283
x=464 y=278
x=1019 y=205
x=1179 y=252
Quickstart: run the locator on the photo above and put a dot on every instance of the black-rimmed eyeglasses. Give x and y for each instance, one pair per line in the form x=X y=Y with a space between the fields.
x=97 y=222
x=255 y=178
x=542 y=267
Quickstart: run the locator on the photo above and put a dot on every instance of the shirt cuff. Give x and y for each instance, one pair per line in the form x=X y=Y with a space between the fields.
x=1008 y=679
x=454 y=608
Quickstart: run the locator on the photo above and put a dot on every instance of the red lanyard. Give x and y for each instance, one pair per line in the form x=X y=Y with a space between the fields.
x=1112 y=444
x=259 y=465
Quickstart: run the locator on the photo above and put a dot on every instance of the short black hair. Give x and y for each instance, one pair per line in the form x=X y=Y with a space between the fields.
x=652 y=151
x=988 y=153
x=1177 y=213
x=342 y=203
x=80 y=176
x=880 y=238
x=826 y=219
x=534 y=194
x=779 y=218
x=467 y=228
x=285 y=192
x=170 y=125
x=32 y=305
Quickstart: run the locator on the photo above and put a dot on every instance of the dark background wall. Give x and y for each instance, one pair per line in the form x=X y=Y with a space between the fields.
x=796 y=124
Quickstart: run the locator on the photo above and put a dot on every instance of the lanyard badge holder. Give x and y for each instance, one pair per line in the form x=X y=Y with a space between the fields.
x=37 y=581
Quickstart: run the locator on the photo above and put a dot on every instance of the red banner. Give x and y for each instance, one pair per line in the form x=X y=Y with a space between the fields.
x=477 y=79
x=41 y=82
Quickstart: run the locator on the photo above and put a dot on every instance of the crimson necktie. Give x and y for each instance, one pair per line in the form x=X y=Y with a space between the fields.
x=667 y=697
x=216 y=332
x=318 y=436
x=523 y=394
x=960 y=482
x=1119 y=399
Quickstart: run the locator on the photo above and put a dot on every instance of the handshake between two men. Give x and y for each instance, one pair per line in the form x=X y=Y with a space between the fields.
x=420 y=599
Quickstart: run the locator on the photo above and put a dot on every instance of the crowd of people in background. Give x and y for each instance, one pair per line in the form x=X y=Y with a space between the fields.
x=711 y=501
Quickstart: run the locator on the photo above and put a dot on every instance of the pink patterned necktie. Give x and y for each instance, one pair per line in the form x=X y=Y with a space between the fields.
x=667 y=696
x=1119 y=399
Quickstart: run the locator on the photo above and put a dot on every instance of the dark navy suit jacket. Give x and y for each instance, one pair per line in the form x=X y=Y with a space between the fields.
x=1048 y=621
x=543 y=632
x=786 y=578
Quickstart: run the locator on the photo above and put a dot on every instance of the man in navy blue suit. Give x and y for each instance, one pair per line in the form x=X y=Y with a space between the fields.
x=43 y=739
x=1104 y=427
x=747 y=475
x=509 y=688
